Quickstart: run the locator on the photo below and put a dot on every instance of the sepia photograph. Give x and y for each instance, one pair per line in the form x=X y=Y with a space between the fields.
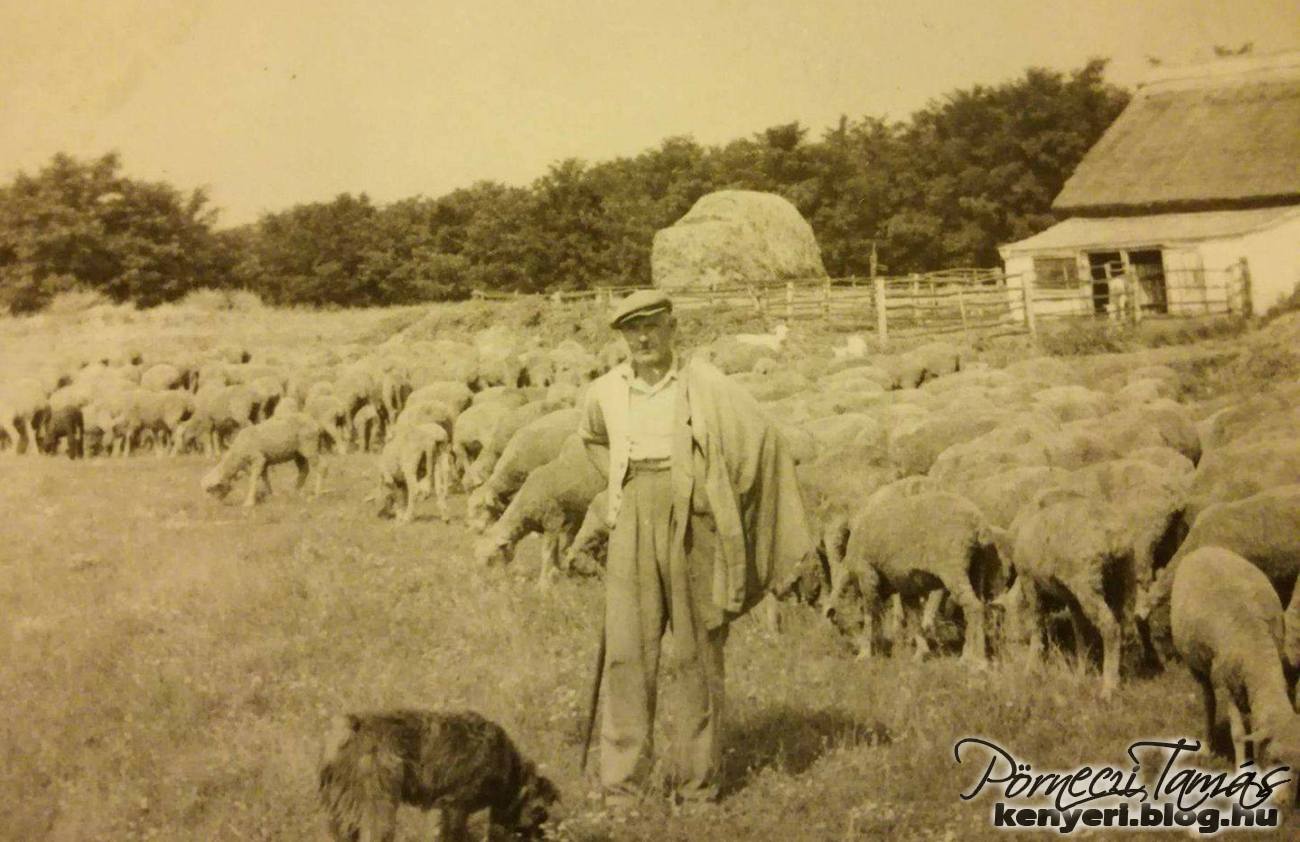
x=658 y=420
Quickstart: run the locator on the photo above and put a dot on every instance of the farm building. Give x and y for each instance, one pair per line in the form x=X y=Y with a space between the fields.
x=1190 y=200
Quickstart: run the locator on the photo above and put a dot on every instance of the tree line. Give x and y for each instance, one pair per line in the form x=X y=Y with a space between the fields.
x=944 y=188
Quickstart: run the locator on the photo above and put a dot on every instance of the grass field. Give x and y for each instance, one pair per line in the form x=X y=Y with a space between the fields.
x=169 y=662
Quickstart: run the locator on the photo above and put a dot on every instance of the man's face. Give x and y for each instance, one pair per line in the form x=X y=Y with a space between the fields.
x=650 y=338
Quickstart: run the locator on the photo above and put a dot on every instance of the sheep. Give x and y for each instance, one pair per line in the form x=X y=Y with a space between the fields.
x=454 y=394
x=506 y=426
x=332 y=416
x=913 y=540
x=531 y=447
x=1073 y=403
x=553 y=500
x=23 y=408
x=834 y=487
x=158 y=414
x=1150 y=502
x=415 y=462
x=1000 y=496
x=65 y=423
x=1241 y=470
x=218 y=410
x=473 y=427
x=1072 y=546
x=587 y=549
x=1228 y=626
x=938 y=358
x=773 y=341
x=855 y=347
x=731 y=356
x=1265 y=530
x=913 y=446
x=294 y=438
x=162 y=376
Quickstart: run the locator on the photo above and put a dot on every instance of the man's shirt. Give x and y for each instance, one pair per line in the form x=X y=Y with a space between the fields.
x=650 y=416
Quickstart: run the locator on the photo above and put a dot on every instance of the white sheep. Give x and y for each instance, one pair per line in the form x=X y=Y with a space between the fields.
x=1072 y=547
x=912 y=540
x=1228 y=627
x=531 y=447
x=553 y=501
x=415 y=463
x=773 y=341
x=293 y=438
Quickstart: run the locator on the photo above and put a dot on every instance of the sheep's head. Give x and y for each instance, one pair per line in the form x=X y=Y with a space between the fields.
x=214 y=483
x=492 y=549
x=1278 y=744
x=481 y=509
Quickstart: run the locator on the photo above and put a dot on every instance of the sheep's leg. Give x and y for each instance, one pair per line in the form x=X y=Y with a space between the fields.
x=256 y=476
x=835 y=538
x=10 y=429
x=1237 y=723
x=319 y=464
x=869 y=583
x=1032 y=611
x=409 y=470
x=1093 y=605
x=304 y=470
x=442 y=471
x=929 y=615
x=1291 y=641
x=1207 y=698
x=550 y=558
x=972 y=612
x=894 y=623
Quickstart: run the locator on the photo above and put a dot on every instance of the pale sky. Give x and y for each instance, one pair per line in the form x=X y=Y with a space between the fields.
x=269 y=103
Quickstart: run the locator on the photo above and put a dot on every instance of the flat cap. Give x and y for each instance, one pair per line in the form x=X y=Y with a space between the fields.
x=643 y=302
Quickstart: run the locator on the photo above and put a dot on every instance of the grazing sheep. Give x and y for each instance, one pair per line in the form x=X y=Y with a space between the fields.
x=913 y=446
x=586 y=553
x=731 y=356
x=553 y=501
x=332 y=416
x=293 y=438
x=1241 y=470
x=1073 y=403
x=158 y=414
x=1228 y=627
x=938 y=358
x=1072 y=547
x=834 y=487
x=912 y=541
x=162 y=376
x=452 y=393
x=474 y=426
x=1001 y=496
x=1264 y=529
x=65 y=423
x=218 y=411
x=533 y=446
x=23 y=407
x=507 y=425
x=415 y=463
x=1150 y=502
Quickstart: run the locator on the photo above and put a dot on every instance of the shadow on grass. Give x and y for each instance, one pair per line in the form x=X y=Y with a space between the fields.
x=791 y=739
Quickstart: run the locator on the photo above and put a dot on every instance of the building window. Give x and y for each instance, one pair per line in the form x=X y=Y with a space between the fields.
x=1056 y=272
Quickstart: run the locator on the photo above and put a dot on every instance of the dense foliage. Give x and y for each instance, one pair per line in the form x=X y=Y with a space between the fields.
x=975 y=169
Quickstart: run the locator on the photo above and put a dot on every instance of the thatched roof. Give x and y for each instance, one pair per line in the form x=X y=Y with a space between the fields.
x=1152 y=231
x=1217 y=136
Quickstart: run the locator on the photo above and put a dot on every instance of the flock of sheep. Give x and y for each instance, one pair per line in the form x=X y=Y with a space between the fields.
x=992 y=500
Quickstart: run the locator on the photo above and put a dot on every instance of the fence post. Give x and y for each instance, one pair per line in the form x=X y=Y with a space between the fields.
x=1247 y=305
x=882 y=325
x=1027 y=296
x=826 y=301
x=961 y=307
x=789 y=301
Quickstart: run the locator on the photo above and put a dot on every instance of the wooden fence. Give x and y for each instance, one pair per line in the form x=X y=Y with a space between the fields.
x=957 y=301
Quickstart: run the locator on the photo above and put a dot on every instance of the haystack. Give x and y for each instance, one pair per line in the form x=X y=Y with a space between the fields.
x=735 y=237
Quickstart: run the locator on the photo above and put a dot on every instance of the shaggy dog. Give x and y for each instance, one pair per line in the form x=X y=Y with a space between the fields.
x=455 y=762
